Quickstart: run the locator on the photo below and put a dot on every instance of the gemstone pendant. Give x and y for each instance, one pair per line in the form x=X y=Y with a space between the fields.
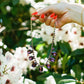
x=54 y=53
x=30 y=51
x=31 y=57
x=48 y=66
x=34 y=64
x=40 y=69
x=52 y=59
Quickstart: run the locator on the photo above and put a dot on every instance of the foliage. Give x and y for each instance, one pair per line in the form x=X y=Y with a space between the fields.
x=15 y=33
x=71 y=60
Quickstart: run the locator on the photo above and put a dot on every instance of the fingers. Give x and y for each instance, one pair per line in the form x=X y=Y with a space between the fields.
x=46 y=11
x=52 y=24
x=42 y=18
x=62 y=21
x=48 y=20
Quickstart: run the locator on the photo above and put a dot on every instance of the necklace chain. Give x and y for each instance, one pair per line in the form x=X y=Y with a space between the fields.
x=52 y=40
x=31 y=37
x=35 y=63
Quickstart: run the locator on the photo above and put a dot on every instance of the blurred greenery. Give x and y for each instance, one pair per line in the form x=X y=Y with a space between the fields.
x=82 y=1
x=15 y=33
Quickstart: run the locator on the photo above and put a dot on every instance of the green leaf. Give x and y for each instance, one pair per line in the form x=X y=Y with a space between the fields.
x=39 y=46
x=4 y=2
x=43 y=76
x=66 y=81
x=15 y=2
x=64 y=61
x=78 y=54
x=36 y=41
x=82 y=1
x=57 y=77
x=38 y=0
x=40 y=82
x=3 y=10
x=82 y=32
x=65 y=47
x=76 y=68
x=77 y=1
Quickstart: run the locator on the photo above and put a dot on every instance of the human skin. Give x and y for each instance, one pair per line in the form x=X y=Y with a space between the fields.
x=66 y=13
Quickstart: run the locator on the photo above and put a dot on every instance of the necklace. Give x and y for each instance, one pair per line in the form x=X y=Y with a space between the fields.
x=50 y=59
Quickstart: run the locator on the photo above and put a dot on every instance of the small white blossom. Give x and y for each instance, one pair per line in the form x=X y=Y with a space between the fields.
x=72 y=73
x=50 y=80
x=8 y=8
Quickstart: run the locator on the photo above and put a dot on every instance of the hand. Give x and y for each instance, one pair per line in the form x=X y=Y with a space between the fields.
x=65 y=12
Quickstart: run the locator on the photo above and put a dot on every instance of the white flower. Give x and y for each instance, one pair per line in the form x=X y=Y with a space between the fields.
x=3 y=64
x=72 y=73
x=8 y=8
x=82 y=74
x=4 y=79
x=45 y=69
x=21 y=80
x=63 y=74
x=28 y=81
x=60 y=63
x=50 y=1
x=9 y=56
x=21 y=53
x=23 y=23
x=23 y=65
x=35 y=33
x=24 y=2
x=1 y=51
x=44 y=60
x=29 y=33
x=70 y=33
x=1 y=44
x=50 y=80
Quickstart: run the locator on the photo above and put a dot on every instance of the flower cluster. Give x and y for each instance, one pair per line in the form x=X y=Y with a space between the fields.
x=70 y=33
x=13 y=66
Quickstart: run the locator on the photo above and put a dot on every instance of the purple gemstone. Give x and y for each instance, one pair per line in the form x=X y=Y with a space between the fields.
x=54 y=53
x=40 y=69
x=52 y=59
x=31 y=57
x=48 y=66
x=34 y=64
x=30 y=51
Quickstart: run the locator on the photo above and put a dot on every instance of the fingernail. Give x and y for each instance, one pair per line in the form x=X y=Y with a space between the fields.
x=42 y=16
x=55 y=17
x=52 y=15
x=33 y=18
x=35 y=13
